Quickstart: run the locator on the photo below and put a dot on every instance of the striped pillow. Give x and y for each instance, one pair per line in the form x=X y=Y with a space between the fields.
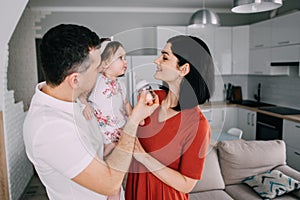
x=272 y=184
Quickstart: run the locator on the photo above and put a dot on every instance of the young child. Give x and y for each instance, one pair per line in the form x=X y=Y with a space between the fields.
x=108 y=99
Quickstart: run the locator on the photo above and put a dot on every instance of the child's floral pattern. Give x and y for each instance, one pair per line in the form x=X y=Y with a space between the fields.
x=104 y=120
x=113 y=136
x=108 y=99
x=113 y=88
x=109 y=124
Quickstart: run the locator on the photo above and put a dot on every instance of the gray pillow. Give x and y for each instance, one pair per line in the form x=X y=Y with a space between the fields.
x=240 y=159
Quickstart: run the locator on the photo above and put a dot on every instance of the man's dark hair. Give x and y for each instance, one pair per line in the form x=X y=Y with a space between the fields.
x=65 y=48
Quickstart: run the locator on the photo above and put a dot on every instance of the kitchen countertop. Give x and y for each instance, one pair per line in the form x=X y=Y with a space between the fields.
x=220 y=104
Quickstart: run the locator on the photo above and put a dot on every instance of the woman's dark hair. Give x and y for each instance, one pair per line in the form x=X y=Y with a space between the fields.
x=64 y=49
x=198 y=85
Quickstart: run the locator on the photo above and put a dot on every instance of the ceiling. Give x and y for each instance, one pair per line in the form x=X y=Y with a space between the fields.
x=159 y=5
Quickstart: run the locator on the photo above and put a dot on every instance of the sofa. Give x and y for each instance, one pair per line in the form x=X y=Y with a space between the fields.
x=228 y=163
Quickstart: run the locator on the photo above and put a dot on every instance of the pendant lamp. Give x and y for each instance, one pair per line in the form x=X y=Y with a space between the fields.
x=255 y=6
x=204 y=17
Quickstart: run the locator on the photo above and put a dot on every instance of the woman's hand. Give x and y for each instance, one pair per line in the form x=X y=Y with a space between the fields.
x=88 y=112
x=167 y=175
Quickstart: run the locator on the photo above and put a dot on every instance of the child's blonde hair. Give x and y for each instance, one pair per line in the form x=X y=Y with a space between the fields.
x=110 y=49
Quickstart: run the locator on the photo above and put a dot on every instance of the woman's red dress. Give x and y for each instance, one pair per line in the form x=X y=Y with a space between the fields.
x=180 y=143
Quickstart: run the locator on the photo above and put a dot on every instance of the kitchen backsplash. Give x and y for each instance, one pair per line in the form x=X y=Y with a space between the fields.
x=279 y=90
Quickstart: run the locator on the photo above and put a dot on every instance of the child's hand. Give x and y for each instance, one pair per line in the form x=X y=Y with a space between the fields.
x=88 y=112
x=142 y=123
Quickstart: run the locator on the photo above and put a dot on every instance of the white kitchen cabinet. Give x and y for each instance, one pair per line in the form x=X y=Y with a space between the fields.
x=291 y=136
x=231 y=118
x=221 y=118
x=284 y=54
x=247 y=122
x=291 y=133
x=260 y=60
x=293 y=157
x=260 y=63
x=260 y=35
x=222 y=50
x=240 y=50
x=215 y=117
x=139 y=68
x=165 y=32
x=286 y=30
x=207 y=34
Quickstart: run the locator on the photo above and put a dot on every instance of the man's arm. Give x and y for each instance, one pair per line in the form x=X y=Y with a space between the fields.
x=105 y=177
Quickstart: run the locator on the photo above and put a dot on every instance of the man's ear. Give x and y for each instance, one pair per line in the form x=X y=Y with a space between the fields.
x=184 y=69
x=72 y=80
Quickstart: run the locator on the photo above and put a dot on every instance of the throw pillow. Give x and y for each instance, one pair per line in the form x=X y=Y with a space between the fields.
x=272 y=184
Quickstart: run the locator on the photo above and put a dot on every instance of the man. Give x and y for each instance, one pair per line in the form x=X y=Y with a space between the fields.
x=65 y=149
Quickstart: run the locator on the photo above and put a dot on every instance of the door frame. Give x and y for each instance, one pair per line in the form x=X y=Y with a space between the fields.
x=4 y=191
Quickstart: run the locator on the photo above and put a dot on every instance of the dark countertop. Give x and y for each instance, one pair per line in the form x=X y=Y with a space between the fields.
x=220 y=104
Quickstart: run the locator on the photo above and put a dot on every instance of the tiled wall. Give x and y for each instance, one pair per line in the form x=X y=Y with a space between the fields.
x=280 y=90
x=20 y=169
x=238 y=80
x=21 y=47
x=22 y=70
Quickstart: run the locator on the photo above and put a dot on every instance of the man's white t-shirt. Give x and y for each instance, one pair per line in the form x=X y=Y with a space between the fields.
x=61 y=144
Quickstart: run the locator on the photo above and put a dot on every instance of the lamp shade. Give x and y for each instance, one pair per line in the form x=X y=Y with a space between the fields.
x=204 y=17
x=255 y=6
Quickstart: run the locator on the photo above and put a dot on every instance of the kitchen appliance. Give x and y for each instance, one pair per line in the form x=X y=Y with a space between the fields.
x=281 y=110
x=268 y=127
x=288 y=55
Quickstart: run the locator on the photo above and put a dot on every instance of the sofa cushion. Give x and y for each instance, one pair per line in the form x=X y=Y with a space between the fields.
x=211 y=195
x=211 y=176
x=243 y=192
x=240 y=159
x=272 y=184
x=292 y=173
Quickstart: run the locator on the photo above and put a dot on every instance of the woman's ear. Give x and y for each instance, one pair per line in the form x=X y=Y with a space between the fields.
x=184 y=69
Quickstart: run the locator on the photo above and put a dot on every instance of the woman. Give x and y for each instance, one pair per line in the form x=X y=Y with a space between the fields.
x=171 y=149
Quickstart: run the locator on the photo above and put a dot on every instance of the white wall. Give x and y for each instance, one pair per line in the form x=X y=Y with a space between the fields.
x=22 y=70
x=18 y=167
x=21 y=80
x=10 y=13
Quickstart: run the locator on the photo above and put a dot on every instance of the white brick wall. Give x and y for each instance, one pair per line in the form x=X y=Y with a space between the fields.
x=19 y=168
x=20 y=72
